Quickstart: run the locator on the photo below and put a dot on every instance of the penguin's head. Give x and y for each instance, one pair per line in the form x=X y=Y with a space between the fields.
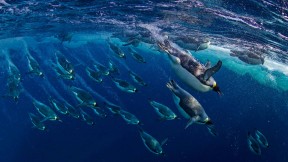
x=208 y=121
x=58 y=119
x=216 y=88
x=71 y=77
x=16 y=98
x=41 y=74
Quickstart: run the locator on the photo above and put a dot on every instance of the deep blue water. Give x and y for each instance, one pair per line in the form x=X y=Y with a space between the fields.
x=254 y=96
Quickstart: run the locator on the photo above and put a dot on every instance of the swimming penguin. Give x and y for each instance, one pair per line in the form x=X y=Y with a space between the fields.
x=14 y=88
x=113 y=68
x=188 y=106
x=192 y=43
x=34 y=67
x=114 y=109
x=100 y=112
x=101 y=68
x=137 y=56
x=83 y=97
x=129 y=118
x=261 y=139
x=46 y=111
x=119 y=53
x=190 y=71
x=61 y=74
x=94 y=75
x=86 y=117
x=124 y=85
x=132 y=41
x=163 y=111
x=75 y=113
x=253 y=145
x=125 y=35
x=13 y=72
x=64 y=37
x=60 y=107
x=146 y=37
x=37 y=122
x=137 y=79
x=151 y=143
x=249 y=56
x=64 y=64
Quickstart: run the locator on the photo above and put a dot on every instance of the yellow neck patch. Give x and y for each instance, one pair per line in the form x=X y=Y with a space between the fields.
x=206 y=120
x=214 y=84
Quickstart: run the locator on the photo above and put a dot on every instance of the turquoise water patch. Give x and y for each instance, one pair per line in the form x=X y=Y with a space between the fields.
x=274 y=78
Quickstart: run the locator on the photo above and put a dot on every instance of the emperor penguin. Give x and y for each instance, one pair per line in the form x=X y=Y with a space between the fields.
x=189 y=70
x=188 y=106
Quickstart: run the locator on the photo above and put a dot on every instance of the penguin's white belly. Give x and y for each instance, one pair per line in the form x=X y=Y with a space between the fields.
x=180 y=109
x=188 y=78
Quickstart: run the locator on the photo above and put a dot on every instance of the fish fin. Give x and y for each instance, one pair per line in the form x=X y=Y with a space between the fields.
x=211 y=71
x=164 y=141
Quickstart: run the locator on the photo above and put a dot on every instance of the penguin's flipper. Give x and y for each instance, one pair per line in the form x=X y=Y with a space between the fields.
x=211 y=71
x=127 y=44
x=164 y=141
x=208 y=64
x=81 y=104
x=198 y=46
x=45 y=119
x=191 y=121
x=174 y=59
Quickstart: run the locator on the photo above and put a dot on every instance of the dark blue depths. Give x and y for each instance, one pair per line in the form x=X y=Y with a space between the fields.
x=244 y=106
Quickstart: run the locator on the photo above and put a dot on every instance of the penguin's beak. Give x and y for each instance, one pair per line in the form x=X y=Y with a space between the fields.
x=217 y=89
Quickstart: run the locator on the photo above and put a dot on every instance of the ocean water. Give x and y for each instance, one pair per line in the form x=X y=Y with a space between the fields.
x=254 y=96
